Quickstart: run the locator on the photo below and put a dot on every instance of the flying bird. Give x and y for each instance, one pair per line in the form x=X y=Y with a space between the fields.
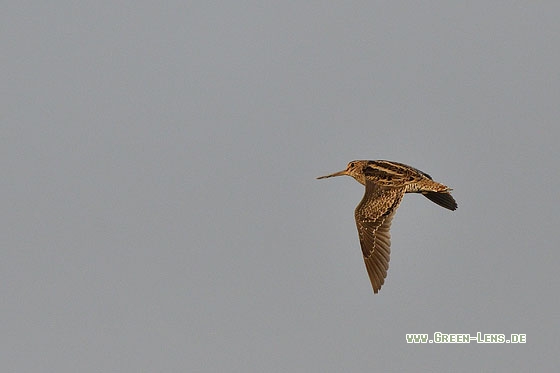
x=386 y=183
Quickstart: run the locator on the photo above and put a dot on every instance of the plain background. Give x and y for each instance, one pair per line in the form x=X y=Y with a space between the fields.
x=159 y=204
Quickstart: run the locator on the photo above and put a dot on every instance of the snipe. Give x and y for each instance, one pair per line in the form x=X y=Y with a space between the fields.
x=386 y=183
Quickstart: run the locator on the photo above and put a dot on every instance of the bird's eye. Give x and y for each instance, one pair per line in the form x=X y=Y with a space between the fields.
x=351 y=164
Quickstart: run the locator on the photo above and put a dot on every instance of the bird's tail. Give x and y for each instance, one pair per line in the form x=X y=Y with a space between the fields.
x=435 y=192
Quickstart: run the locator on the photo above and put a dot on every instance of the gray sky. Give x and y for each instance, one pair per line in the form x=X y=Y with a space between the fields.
x=160 y=207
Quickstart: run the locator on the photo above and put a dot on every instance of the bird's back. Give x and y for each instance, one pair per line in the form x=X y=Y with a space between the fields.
x=390 y=174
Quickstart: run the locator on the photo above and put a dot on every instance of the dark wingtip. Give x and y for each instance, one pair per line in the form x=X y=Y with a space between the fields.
x=442 y=199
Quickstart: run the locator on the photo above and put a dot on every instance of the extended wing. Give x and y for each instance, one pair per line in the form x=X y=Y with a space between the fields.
x=373 y=220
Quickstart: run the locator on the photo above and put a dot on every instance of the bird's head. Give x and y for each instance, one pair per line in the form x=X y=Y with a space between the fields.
x=354 y=169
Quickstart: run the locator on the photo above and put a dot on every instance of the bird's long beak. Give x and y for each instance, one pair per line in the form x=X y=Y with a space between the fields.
x=339 y=173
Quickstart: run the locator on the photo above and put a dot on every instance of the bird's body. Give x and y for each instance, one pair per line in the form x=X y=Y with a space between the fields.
x=386 y=183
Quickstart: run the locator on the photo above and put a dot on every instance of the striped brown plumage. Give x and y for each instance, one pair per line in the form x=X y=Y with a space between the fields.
x=386 y=183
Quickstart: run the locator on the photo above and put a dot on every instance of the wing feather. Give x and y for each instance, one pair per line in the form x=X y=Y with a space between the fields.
x=373 y=220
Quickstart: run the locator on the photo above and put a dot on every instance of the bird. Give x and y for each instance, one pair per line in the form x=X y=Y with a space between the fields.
x=385 y=183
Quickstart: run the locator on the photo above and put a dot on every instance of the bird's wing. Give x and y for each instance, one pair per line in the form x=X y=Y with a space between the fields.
x=373 y=219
